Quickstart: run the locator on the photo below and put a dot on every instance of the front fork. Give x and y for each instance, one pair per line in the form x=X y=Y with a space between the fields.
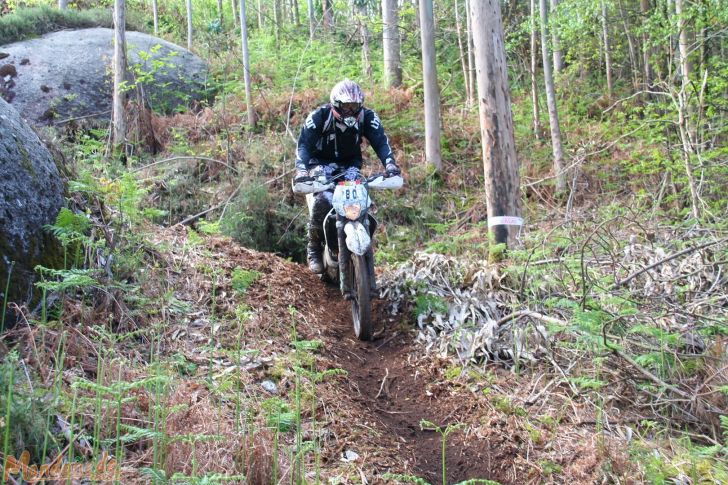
x=345 y=276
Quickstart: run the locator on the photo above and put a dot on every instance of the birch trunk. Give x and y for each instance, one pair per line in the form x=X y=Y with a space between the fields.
x=558 y=55
x=551 y=101
x=463 y=58
x=607 y=50
x=246 y=65
x=647 y=68
x=62 y=4
x=534 y=65
x=328 y=14
x=471 y=56
x=390 y=39
x=119 y=97
x=155 y=15
x=189 y=25
x=432 y=92
x=500 y=163
x=311 y=19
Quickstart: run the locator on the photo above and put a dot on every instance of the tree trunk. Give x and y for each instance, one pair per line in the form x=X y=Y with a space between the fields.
x=633 y=60
x=155 y=15
x=119 y=97
x=645 y=10
x=500 y=164
x=260 y=15
x=328 y=14
x=365 y=51
x=277 y=21
x=685 y=66
x=246 y=65
x=607 y=51
x=463 y=55
x=220 y=16
x=432 y=91
x=296 y=13
x=471 y=56
x=62 y=4
x=234 y=8
x=311 y=19
x=534 y=65
x=551 y=101
x=189 y=25
x=558 y=55
x=390 y=39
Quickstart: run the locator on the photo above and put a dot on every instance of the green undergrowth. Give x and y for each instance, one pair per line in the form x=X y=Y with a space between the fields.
x=27 y=23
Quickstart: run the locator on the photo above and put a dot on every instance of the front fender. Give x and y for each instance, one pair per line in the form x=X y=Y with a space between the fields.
x=357 y=238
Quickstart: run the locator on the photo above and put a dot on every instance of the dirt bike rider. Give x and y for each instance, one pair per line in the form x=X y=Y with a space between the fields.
x=332 y=134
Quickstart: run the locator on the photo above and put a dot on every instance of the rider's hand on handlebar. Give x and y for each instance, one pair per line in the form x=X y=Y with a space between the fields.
x=300 y=174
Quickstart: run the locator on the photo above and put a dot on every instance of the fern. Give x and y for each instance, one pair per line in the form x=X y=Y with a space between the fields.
x=65 y=279
x=405 y=478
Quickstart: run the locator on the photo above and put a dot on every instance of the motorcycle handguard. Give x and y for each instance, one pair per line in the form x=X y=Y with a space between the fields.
x=309 y=185
x=382 y=182
x=357 y=237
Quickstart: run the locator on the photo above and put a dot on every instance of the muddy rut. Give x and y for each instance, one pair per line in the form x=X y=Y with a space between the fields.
x=394 y=391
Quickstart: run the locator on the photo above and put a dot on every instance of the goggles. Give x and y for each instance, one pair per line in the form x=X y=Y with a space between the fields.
x=348 y=109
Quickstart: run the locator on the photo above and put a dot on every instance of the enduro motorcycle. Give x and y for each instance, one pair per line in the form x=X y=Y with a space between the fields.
x=348 y=231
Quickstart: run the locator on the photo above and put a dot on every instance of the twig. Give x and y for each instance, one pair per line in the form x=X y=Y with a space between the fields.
x=183 y=157
x=108 y=111
x=532 y=314
x=665 y=260
x=386 y=374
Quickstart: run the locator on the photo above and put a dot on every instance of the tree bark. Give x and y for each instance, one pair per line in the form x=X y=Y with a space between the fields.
x=311 y=19
x=220 y=16
x=390 y=39
x=607 y=50
x=432 y=92
x=558 y=55
x=119 y=97
x=471 y=56
x=500 y=163
x=246 y=65
x=646 y=51
x=296 y=13
x=155 y=15
x=277 y=21
x=551 y=102
x=365 y=51
x=328 y=14
x=461 y=49
x=189 y=25
x=534 y=84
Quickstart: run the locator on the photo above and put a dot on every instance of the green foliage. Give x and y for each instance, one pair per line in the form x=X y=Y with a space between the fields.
x=243 y=278
x=426 y=303
x=278 y=415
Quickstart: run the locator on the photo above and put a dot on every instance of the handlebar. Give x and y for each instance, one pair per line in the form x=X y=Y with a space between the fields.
x=312 y=185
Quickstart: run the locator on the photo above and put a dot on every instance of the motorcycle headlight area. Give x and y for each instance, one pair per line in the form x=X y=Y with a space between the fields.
x=350 y=200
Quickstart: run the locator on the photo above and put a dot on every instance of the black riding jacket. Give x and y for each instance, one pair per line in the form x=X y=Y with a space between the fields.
x=325 y=140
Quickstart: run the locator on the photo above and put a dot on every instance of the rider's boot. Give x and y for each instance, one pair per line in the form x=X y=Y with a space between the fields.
x=314 y=250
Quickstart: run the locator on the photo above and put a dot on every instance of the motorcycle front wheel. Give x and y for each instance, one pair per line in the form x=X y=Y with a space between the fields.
x=361 y=310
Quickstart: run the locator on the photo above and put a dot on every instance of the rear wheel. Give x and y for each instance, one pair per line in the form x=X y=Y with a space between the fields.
x=361 y=309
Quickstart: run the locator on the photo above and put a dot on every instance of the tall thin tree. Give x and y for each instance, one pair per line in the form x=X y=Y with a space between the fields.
x=62 y=4
x=311 y=19
x=220 y=16
x=118 y=115
x=155 y=15
x=534 y=84
x=551 y=102
x=328 y=9
x=433 y=153
x=607 y=48
x=246 y=65
x=471 y=58
x=189 y=25
x=461 y=49
x=390 y=39
x=558 y=55
x=500 y=164
x=234 y=6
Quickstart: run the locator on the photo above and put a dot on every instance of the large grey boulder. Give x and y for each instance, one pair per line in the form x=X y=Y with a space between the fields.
x=67 y=74
x=31 y=194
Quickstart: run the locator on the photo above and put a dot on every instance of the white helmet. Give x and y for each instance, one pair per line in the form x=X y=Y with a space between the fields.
x=347 y=98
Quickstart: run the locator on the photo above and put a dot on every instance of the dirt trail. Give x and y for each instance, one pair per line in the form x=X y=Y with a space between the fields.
x=395 y=394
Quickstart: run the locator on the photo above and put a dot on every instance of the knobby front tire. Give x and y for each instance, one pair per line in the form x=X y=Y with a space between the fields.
x=361 y=307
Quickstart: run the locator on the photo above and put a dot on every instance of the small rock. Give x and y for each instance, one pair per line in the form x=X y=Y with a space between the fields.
x=44 y=88
x=8 y=70
x=24 y=62
x=269 y=386
x=349 y=455
x=3 y=55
